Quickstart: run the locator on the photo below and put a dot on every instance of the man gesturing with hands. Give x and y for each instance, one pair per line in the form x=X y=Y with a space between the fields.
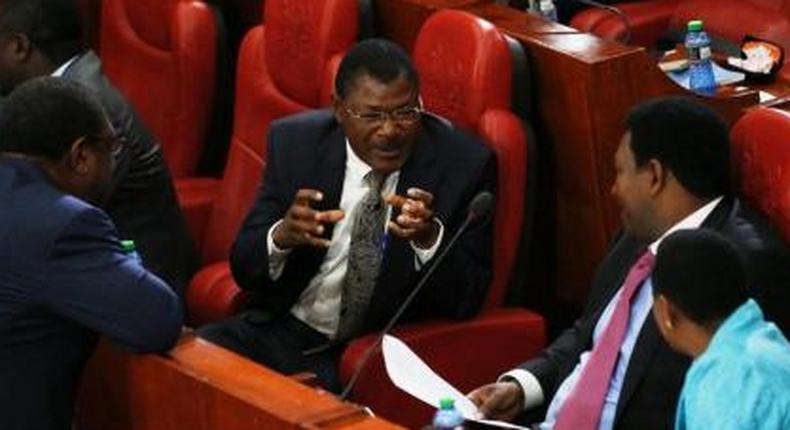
x=355 y=203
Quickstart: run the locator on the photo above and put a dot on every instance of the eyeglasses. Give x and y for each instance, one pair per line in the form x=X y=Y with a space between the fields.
x=407 y=115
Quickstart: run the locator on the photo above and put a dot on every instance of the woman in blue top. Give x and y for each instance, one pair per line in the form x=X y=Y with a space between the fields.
x=740 y=376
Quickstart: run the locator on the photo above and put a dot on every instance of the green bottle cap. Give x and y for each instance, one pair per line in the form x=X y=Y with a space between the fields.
x=694 y=25
x=446 y=403
x=128 y=246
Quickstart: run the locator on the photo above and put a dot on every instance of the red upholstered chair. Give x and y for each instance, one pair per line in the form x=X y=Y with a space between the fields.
x=161 y=54
x=729 y=19
x=285 y=66
x=465 y=72
x=762 y=160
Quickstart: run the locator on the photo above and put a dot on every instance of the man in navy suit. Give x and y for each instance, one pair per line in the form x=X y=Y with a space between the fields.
x=299 y=251
x=64 y=277
x=672 y=173
x=43 y=37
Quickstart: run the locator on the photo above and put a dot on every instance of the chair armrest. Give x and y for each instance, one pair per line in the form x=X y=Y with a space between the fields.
x=213 y=295
x=466 y=353
x=196 y=197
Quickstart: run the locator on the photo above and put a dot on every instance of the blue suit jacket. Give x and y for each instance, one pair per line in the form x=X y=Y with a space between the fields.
x=308 y=151
x=63 y=278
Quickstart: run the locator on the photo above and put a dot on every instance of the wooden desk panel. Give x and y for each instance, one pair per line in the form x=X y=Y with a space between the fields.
x=200 y=386
x=583 y=88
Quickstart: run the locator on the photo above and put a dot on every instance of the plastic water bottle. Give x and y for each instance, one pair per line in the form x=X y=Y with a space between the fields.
x=544 y=8
x=130 y=249
x=447 y=416
x=700 y=68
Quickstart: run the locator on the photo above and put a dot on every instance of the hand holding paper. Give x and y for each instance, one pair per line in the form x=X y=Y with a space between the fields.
x=409 y=373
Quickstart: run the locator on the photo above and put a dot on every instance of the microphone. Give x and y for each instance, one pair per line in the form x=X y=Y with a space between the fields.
x=478 y=208
x=615 y=11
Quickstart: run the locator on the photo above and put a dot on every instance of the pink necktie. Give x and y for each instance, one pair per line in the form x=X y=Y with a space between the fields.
x=582 y=408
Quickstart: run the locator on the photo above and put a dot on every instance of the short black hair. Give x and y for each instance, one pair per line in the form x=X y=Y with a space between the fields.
x=44 y=116
x=686 y=137
x=378 y=58
x=701 y=272
x=53 y=26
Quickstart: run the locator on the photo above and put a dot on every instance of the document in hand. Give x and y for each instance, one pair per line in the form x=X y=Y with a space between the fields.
x=409 y=373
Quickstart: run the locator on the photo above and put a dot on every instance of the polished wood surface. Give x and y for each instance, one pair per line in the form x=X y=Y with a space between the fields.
x=583 y=86
x=200 y=386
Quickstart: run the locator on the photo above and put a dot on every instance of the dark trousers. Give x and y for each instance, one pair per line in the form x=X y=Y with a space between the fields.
x=282 y=343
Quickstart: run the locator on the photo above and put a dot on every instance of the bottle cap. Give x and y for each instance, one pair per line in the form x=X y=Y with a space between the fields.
x=694 y=25
x=446 y=403
x=128 y=245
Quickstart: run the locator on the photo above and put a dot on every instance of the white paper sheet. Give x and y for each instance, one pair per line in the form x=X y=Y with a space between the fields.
x=409 y=373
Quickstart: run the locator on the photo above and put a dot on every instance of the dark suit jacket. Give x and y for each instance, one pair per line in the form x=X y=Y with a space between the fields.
x=308 y=151
x=63 y=278
x=142 y=202
x=655 y=373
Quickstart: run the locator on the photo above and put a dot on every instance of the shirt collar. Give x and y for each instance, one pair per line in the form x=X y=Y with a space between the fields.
x=694 y=220
x=63 y=67
x=356 y=168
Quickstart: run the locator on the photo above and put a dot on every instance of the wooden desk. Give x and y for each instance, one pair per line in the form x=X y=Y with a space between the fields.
x=583 y=86
x=199 y=386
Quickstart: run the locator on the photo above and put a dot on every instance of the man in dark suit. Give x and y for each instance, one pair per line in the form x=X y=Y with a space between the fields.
x=64 y=276
x=326 y=258
x=43 y=37
x=611 y=369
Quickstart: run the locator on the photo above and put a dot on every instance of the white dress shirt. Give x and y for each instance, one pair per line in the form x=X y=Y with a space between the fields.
x=640 y=309
x=63 y=67
x=319 y=304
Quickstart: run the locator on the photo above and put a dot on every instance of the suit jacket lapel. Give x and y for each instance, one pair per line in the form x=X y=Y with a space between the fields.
x=329 y=167
x=644 y=348
x=397 y=266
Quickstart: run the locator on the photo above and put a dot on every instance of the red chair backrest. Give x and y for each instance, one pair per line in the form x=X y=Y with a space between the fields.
x=162 y=55
x=465 y=73
x=285 y=66
x=762 y=161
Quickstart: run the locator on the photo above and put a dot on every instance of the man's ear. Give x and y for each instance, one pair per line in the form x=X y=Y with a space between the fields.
x=20 y=47
x=658 y=176
x=79 y=156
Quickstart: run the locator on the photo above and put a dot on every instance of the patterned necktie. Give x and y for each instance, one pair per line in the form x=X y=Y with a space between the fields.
x=364 y=259
x=582 y=408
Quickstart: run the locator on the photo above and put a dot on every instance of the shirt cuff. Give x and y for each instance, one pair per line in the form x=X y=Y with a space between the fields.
x=533 y=393
x=277 y=256
x=422 y=256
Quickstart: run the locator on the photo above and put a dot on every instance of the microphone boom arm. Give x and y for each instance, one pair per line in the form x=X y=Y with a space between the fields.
x=369 y=352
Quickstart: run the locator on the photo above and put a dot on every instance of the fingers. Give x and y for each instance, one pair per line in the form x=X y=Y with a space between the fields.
x=395 y=200
x=479 y=395
x=330 y=216
x=306 y=195
x=421 y=195
x=415 y=220
x=499 y=401
x=303 y=225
